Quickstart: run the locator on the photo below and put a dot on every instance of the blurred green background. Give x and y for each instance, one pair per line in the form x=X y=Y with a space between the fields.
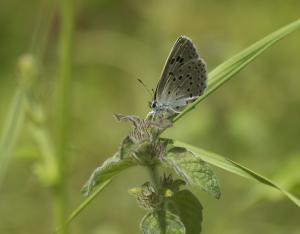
x=253 y=119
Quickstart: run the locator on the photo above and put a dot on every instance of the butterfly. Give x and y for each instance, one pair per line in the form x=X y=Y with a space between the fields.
x=182 y=81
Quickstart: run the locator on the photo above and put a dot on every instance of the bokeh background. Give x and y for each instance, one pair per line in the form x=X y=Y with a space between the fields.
x=253 y=119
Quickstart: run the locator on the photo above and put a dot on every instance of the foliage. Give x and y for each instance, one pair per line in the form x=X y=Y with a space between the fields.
x=171 y=208
x=144 y=145
x=193 y=170
x=151 y=223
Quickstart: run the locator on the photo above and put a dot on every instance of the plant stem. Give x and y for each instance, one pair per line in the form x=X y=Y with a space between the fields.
x=154 y=175
x=63 y=112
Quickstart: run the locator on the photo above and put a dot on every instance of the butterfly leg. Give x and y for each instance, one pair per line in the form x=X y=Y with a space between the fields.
x=150 y=115
x=174 y=111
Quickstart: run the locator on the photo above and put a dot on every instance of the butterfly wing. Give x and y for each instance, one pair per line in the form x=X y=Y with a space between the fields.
x=184 y=76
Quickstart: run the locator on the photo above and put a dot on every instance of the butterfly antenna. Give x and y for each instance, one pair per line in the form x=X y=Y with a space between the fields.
x=148 y=90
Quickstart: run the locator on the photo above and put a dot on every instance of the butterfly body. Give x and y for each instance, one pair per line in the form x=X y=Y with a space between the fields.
x=161 y=108
x=182 y=81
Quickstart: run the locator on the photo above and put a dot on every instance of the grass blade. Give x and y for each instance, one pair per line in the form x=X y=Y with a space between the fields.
x=12 y=129
x=235 y=168
x=229 y=68
x=87 y=201
x=111 y=167
x=100 y=178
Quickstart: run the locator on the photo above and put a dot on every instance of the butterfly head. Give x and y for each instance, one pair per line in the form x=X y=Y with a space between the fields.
x=157 y=109
x=153 y=104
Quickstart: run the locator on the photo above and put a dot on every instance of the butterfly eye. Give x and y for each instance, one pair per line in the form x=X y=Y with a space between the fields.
x=153 y=104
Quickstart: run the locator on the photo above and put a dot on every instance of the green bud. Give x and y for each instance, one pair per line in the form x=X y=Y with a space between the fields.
x=146 y=196
x=27 y=69
x=167 y=183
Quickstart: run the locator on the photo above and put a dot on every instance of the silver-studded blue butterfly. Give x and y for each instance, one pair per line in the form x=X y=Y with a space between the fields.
x=182 y=81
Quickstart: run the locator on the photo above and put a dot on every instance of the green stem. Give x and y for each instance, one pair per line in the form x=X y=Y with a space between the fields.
x=63 y=112
x=154 y=175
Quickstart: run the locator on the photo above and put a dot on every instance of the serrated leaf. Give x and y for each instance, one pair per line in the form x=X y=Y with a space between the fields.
x=162 y=222
x=194 y=170
x=106 y=171
x=186 y=205
x=235 y=168
x=225 y=71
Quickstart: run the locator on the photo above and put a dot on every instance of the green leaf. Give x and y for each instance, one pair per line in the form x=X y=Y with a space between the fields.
x=189 y=209
x=225 y=71
x=234 y=168
x=106 y=171
x=194 y=170
x=126 y=147
x=101 y=177
x=141 y=152
x=162 y=222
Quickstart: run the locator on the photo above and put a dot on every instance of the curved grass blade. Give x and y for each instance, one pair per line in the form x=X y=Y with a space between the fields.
x=101 y=177
x=106 y=171
x=229 y=68
x=234 y=168
x=87 y=201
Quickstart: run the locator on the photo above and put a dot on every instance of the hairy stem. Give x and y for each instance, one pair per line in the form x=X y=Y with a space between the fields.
x=154 y=175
